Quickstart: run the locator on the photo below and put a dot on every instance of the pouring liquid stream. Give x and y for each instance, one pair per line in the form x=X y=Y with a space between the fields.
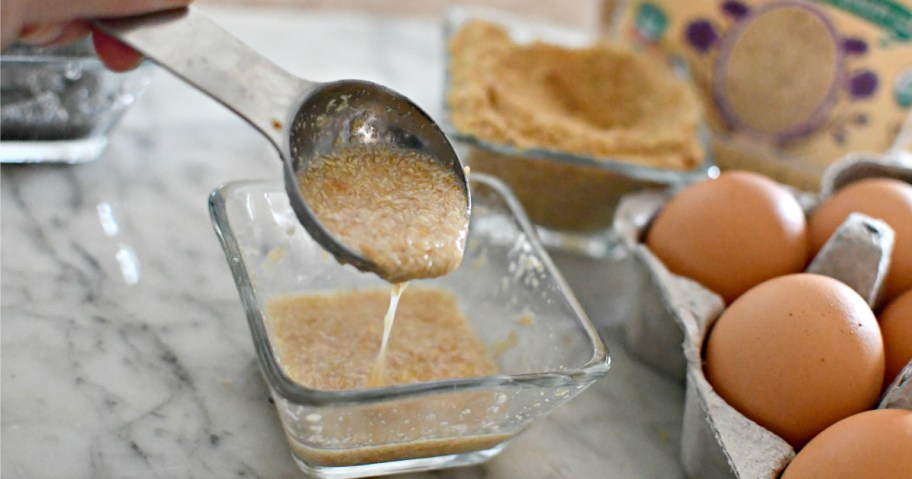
x=377 y=376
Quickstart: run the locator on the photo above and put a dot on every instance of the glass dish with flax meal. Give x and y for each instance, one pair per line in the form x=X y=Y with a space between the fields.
x=570 y=124
x=474 y=356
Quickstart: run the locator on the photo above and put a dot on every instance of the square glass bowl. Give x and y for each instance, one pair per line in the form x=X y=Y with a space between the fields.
x=571 y=198
x=57 y=104
x=545 y=348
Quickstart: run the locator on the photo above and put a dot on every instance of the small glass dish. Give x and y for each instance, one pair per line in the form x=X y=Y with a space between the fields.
x=571 y=198
x=544 y=346
x=57 y=104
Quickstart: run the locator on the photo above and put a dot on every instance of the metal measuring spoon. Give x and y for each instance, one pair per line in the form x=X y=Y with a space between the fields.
x=302 y=119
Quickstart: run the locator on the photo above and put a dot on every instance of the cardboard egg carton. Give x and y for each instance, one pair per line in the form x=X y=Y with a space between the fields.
x=673 y=316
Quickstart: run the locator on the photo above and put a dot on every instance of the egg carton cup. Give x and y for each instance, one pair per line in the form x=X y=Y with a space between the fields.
x=672 y=316
x=717 y=441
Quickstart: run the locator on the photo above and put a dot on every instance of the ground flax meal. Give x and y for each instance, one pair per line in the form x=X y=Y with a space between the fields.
x=602 y=102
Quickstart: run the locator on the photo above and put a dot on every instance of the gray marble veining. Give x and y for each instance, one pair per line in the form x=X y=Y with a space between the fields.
x=125 y=352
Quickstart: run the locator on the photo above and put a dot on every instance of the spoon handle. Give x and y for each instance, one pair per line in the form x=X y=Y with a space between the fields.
x=203 y=54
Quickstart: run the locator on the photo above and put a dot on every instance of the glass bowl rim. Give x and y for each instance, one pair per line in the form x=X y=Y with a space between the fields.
x=596 y=367
x=86 y=61
x=455 y=16
x=43 y=59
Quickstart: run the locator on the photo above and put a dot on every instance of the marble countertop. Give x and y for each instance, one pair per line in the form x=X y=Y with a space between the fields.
x=125 y=351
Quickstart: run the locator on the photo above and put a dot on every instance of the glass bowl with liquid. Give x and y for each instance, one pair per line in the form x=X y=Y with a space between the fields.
x=521 y=314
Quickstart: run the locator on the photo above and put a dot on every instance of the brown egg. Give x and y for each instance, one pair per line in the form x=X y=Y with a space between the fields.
x=872 y=444
x=882 y=198
x=796 y=354
x=731 y=233
x=896 y=326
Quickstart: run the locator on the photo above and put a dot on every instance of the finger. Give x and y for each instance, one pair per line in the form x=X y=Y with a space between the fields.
x=40 y=34
x=10 y=21
x=72 y=31
x=49 y=11
x=114 y=54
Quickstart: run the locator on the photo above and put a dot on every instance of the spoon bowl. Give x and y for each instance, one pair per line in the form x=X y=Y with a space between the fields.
x=352 y=113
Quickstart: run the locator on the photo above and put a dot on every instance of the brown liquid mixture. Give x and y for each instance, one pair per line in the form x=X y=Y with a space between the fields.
x=400 y=209
x=330 y=341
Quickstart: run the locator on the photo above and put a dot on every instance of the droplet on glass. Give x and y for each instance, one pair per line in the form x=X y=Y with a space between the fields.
x=72 y=71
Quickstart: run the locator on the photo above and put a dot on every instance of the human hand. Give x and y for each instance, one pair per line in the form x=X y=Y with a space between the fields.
x=54 y=22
